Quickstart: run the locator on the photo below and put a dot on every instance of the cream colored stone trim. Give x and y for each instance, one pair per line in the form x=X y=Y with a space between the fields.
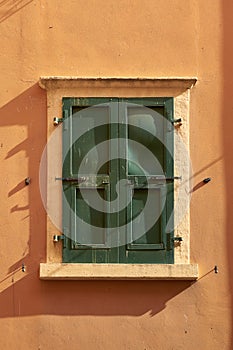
x=119 y=271
x=177 y=87
x=56 y=82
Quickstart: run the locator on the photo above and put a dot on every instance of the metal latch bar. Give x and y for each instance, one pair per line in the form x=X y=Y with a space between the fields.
x=71 y=179
x=173 y=178
x=95 y=181
x=152 y=179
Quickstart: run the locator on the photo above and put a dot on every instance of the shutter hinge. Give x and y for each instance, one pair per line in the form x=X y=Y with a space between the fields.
x=57 y=238
x=176 y=121
x=60 y=238
x=177 y=239
x=56 y=120
x=173 y=241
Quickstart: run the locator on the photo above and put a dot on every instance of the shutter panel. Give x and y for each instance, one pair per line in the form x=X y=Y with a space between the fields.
x=86 y=226
x=147 y=239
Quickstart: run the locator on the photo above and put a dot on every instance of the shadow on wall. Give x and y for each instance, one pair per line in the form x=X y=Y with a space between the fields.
x=30 y=296
x=27 y=112
x=23 y=293
x=9 y=7
x=227 y=127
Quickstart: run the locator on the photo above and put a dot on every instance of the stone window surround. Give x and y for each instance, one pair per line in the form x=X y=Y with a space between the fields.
x=177 y=87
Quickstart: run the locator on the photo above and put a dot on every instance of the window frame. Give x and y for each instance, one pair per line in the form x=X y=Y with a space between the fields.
x=179 y=89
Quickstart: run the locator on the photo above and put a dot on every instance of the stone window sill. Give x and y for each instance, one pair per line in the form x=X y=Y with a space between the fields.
x=61 y=271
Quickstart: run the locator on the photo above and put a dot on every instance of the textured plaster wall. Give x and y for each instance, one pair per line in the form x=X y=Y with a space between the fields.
x=115 y=38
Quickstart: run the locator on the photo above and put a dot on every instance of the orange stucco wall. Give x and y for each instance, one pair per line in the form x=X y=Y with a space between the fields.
x=124 y=38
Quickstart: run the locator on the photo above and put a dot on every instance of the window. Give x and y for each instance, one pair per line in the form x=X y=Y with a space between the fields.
x=117 y=180
x=131 y=154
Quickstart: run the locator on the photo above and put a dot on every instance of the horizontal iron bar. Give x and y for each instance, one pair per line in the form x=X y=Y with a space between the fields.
x=133 y=178
x=154 y=178
x=96 y=181
x=71 y=179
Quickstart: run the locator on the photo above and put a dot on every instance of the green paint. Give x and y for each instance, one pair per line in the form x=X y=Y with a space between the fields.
x=152 y=247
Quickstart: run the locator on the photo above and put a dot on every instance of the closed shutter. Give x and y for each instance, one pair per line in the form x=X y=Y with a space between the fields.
x=117 y=140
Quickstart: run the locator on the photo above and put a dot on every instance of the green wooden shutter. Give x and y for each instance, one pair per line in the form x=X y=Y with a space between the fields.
x=142 y=119
x=83 y=243
x=124 y=120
